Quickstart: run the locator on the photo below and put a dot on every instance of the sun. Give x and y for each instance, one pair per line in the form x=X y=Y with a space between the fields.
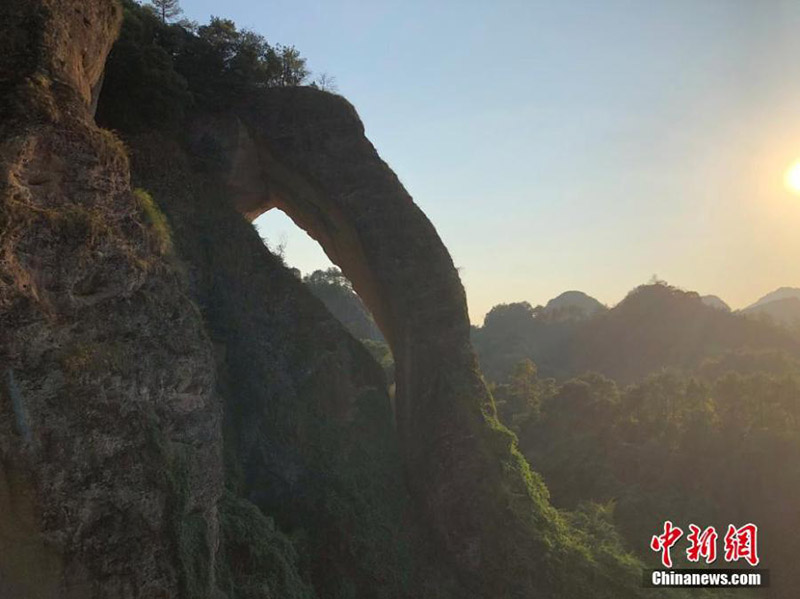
x=792 y=178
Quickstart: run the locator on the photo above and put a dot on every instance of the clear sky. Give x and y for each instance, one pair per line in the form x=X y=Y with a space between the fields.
x=583 y=144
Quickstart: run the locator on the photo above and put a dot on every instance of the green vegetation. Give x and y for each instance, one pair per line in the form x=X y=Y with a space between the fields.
x=166 y=9
x=781 y=307
x=711 y=452
x=159 y=72
x=156 y=220
x=549 y=552
x=520 y=399
x=655 y=326
x=112 y=146
x=339 y=297
x=336 y=292
x=315 y=488
x=715 y=440
x=382 y=353
x=190 y=528
x=255 y=559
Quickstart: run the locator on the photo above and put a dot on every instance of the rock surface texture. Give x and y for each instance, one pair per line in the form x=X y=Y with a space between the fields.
x=109 y=432
x=309 y=153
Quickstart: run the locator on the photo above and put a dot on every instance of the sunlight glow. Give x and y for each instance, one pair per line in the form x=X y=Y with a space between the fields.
x=792 y=178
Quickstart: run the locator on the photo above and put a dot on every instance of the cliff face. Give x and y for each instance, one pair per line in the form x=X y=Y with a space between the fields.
x=179 y=416
x=305 y=152
x=109 y=428
x=309 y=437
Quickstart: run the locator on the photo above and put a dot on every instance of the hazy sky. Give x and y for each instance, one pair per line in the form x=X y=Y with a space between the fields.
x=571 y=144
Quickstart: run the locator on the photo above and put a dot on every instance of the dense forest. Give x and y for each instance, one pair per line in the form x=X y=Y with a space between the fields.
x=653 y=327
x=711 y=450
x=695 y=419
x=159 y=71
x=661 y=408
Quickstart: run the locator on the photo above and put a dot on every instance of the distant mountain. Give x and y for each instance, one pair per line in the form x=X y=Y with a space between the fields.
x=781 y=307
x=573 y=305
x=785 y=312
x=778 y=294
x=715 y=302
x=659 y=326
x=654 y=327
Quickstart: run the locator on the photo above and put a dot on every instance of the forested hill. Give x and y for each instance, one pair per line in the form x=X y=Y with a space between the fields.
x=656 y=326
x=718 y=443
x=782 y=307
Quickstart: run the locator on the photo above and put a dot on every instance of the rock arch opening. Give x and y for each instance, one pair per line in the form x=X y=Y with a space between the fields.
x=304 y=152
x=326 y=281
x=286 y=239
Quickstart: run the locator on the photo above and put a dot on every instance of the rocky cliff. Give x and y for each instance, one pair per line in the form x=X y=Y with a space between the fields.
x=110 y=456
x=180 y=417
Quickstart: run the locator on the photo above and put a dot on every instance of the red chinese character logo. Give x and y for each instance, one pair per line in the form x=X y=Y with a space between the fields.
x=703 y=544
x=742 y=543
x=664 y=542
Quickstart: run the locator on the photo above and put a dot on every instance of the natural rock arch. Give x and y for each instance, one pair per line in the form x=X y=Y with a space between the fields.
x=304 y=151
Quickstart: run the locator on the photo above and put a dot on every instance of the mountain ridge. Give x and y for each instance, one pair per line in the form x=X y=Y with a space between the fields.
x=655 y=326
x=778 y=294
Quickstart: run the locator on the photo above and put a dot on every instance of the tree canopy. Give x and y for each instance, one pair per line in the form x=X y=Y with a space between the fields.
x=655 y=326
x=167 y=9
x=719 y=451
x=158 y=71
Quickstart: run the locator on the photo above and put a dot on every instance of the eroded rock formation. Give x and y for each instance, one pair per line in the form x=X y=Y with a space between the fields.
x=304 y=151
x=109 y=431
x=179 y=417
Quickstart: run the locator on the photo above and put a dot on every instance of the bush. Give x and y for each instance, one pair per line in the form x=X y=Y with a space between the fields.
x=156 y=220
x=157 y=72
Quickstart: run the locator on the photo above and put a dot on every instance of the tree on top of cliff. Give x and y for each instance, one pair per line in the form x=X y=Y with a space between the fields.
x=159 y=71
x=326 y=83
x=167 y=9
x=294 y=66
